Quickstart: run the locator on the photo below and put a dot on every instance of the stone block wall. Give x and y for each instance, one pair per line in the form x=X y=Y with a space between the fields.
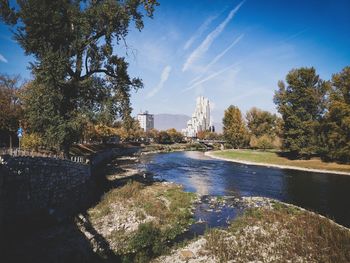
x=40 y=188
x=43 y=187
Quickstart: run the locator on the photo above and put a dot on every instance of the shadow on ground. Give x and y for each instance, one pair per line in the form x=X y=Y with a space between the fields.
x=57 y=242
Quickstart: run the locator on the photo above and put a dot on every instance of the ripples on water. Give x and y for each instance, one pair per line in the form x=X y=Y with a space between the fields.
x=328 y=194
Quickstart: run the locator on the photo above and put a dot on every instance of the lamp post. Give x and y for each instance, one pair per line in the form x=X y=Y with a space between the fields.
x=19 y=134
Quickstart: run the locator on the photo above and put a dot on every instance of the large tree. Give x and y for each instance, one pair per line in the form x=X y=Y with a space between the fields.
x=10 y=108
x=336 y=128
x=262 y=122
x=302 y=105
x=72 y=41
x=235 y=131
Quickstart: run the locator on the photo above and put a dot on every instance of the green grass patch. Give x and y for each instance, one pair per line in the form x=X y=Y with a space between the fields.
x=272 y=157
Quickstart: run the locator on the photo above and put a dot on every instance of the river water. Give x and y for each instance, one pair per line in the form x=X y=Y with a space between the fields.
x=327 y=194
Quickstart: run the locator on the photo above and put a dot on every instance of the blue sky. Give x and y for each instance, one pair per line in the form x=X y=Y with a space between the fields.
x=232 y=52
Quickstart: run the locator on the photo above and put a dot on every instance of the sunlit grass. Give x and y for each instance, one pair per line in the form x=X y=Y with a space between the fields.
x=282 y=234
x=274 y=158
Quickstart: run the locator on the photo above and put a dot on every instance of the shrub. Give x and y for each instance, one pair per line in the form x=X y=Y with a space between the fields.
x=31 y=141
x=131 y=189
x=265 y=142
x=147 y=242
x=164 y=138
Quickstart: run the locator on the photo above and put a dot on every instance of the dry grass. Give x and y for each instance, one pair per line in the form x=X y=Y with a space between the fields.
x=274 y=158
x=131 y=212
x=280 y=235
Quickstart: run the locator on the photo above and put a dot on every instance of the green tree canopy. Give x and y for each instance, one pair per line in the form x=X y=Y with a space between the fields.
x=72 y=41
x=336 y=128
x=234 y=130
x=302 y=104
x=175 y=136
x=10 y=107
x=260 y=122
x=164 y=138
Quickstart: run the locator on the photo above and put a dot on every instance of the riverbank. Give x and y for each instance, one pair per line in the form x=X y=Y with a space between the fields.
x=135 y=220
x=140 y=219
x=271 y=159
x=269 y=231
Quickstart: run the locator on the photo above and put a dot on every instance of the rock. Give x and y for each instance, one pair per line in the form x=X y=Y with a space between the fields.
x=186 y=254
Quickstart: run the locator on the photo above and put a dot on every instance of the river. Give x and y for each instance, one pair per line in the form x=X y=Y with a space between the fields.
x=327 y=194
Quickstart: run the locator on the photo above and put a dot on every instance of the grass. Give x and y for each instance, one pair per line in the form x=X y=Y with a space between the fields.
x=282 y=234
x=163 y=211
x=274 y=158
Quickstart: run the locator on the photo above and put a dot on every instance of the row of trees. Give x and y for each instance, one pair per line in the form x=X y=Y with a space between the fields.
x=316 y=114
x=259 y=129
x=315 y=118
x=78 y=76
x=10 y=108
x=96 y=125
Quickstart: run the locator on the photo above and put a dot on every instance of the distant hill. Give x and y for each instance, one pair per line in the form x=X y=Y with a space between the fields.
x=167 y=121
x=177 y=121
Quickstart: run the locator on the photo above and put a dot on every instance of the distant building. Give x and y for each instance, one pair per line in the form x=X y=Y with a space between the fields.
x=146 y=121
x=200 y=120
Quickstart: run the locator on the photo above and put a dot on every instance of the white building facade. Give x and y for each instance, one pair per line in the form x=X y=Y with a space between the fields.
x=200 y=120
x=146 y=121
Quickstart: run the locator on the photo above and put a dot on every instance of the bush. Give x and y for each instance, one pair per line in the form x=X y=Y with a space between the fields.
x=147 y=243
x=264 y=142
x=31 y=141
x=164 y=138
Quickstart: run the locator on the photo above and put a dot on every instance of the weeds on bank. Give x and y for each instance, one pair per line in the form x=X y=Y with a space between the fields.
x=280 y=234
x=168 y=206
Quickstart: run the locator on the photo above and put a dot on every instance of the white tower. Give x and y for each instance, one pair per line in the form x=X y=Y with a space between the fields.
x=200 y=120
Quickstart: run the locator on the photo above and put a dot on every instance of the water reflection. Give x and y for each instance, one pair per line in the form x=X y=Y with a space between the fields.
x=327 y=194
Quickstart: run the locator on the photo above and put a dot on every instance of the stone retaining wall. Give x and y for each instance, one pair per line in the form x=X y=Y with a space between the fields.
x=39 y=188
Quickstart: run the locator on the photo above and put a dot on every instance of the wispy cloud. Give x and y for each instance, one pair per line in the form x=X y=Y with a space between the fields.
x=294 y=35
x=3 y=59
x=163 y=78
x=217 y=58
x=252 y=92
x=215 y=74
x=199 y=32
x=205 y=45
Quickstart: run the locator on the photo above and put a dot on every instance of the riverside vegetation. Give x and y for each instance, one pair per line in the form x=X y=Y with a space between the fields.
x=270 y=232
x=281 y=233
x=139 y=220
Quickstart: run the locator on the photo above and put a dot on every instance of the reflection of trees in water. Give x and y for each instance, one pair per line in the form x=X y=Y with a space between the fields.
x=327 y=194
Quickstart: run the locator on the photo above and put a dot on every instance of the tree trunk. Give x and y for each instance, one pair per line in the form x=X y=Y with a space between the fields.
x=65 y=150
